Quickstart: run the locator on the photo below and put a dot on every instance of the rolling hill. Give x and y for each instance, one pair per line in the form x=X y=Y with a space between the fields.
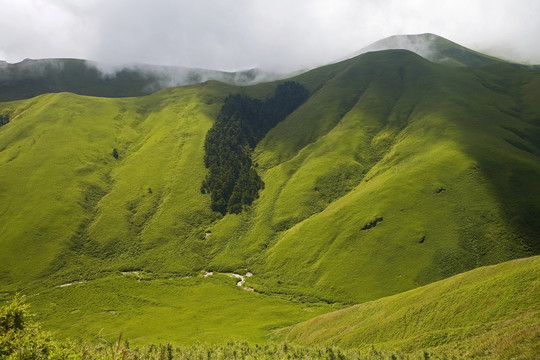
x=396 y=172
x=490 y=312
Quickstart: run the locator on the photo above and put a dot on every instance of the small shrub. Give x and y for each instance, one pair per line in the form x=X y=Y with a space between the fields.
x=19 y=337
x=4 y=119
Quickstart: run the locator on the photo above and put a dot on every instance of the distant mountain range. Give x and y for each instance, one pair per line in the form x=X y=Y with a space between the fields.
x=30 y=78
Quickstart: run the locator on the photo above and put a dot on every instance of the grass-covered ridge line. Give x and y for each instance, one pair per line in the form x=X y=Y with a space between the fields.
x=242 y=122
x=436 y=49
x=490 y=312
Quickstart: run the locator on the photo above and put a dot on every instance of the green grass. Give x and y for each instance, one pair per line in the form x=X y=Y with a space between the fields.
x=72 y=205
x=402 y=129
x=176 y=310
x=489 y=312
x=437 y=49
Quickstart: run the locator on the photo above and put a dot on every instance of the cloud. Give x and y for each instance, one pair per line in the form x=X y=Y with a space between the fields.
x=159 y=77
x=240 y=34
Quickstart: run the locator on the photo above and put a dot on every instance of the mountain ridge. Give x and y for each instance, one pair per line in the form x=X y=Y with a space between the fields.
x=30 y=77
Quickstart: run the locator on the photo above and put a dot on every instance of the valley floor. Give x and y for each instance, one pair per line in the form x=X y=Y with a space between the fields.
x=210 y=307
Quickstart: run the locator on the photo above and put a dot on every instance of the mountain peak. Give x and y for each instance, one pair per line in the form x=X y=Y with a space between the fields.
x=434 y=48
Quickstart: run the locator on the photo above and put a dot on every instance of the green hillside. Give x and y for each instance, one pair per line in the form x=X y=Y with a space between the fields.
x=73 y=207
x=395 y=172
x=489 y=312
x=446 y=157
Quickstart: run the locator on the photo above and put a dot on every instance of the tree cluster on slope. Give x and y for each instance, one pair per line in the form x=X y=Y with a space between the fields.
x=4 y=119
x=232 y=180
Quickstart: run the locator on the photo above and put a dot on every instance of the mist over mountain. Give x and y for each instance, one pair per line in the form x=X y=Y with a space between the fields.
x=33 y=77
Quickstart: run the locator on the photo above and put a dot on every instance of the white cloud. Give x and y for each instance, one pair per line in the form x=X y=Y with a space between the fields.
x=239 y=34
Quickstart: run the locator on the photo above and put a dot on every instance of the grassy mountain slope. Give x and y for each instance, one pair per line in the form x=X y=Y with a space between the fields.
x=69 y=203
x=432 y=150
x=487 y=312
x=396 y=172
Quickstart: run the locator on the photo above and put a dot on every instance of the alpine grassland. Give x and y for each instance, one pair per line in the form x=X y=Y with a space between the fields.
x=394 y=172
x=489 y=312
x=439 y=154
x=210 y=310
x=83 y=206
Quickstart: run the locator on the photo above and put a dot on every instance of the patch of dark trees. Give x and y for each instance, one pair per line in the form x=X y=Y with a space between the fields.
x=4 y=119
x=372 y=224
x=232 y=180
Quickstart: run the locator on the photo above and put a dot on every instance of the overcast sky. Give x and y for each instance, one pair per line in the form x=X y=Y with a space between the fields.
x=240 y=34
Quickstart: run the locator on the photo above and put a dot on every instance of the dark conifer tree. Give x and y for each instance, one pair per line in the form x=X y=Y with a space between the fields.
x=242 y=122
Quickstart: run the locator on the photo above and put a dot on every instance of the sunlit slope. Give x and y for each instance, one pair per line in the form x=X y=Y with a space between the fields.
x=71 y=210
x=487 y=312
x=395 y=173
x=174 y=310
x=68 y=206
